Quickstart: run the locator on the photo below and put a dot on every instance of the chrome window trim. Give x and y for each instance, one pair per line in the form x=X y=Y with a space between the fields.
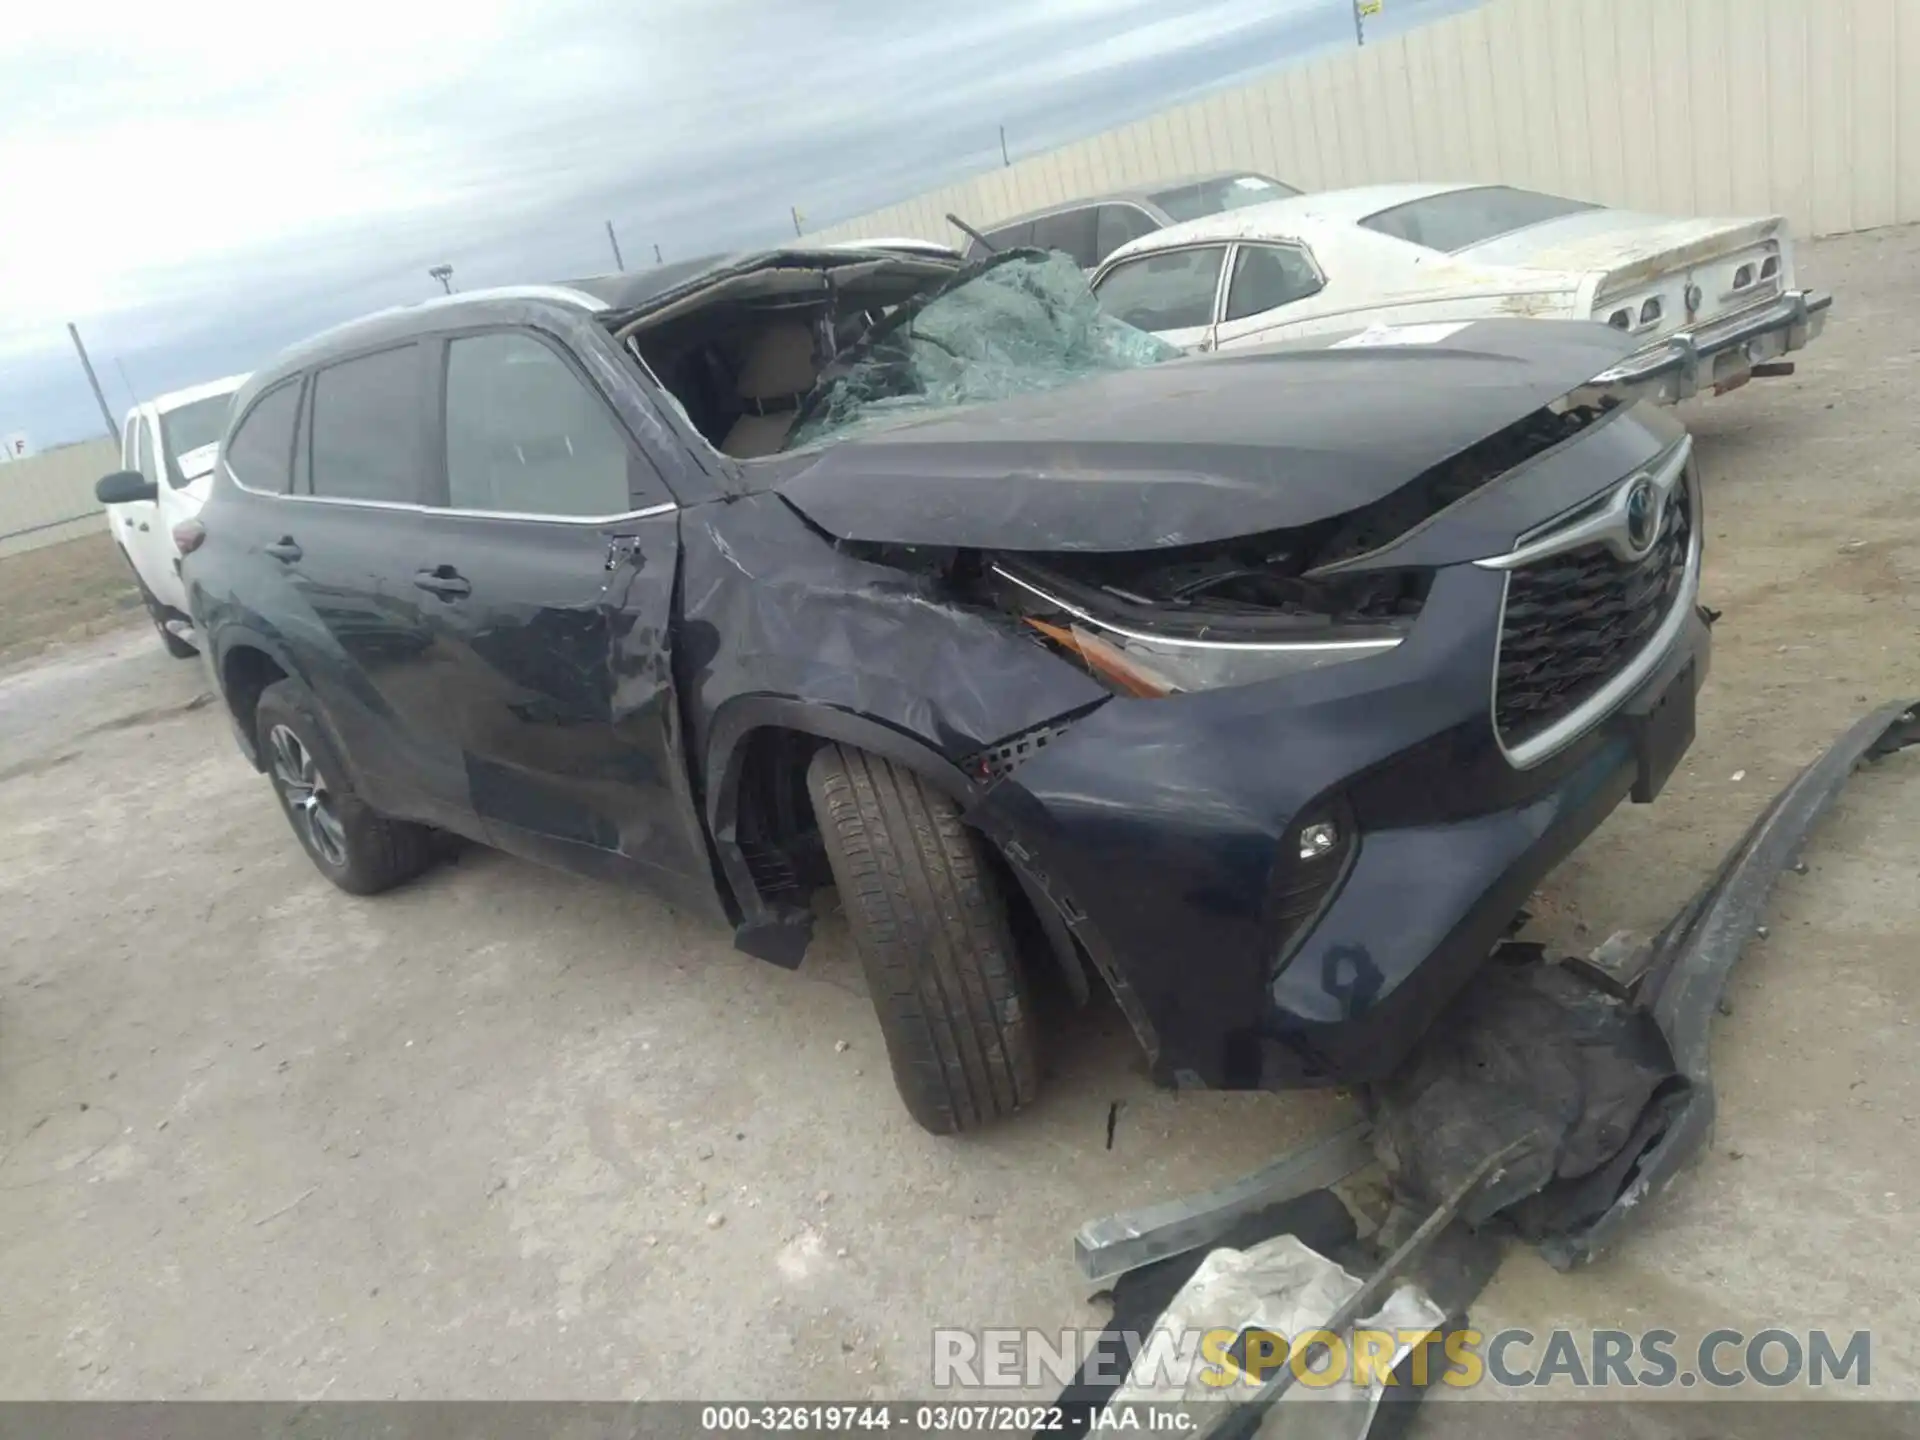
x=1583 y=718
x=1177 y=642
x=647 y=513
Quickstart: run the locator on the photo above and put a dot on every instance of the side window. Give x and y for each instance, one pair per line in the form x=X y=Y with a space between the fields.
x=525 y=434
x=367 y=427
x=143 y=460
x=1169 y=291
x=1117 y=225
x=1009 y=237
x=129 y=437
x=260 y=451
x=1266 y=277
x=1070 y=231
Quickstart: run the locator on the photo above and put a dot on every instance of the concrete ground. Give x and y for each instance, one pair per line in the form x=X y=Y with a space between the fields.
x=506 y=1134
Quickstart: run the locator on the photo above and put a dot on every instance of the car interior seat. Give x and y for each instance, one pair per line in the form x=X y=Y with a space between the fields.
x=776 y=372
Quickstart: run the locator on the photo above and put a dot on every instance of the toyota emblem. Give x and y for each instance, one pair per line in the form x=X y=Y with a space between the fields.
x=1643 y=515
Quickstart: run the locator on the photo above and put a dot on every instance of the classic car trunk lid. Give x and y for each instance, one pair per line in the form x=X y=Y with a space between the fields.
x=1638 y=258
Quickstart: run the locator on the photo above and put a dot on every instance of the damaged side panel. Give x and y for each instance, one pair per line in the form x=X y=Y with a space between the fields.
x=779 y=631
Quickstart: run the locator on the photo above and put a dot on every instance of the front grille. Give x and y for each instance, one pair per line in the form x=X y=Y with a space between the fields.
x=1574 y=620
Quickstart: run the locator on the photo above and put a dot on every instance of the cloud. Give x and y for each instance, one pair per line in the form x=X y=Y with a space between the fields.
x=199 y=183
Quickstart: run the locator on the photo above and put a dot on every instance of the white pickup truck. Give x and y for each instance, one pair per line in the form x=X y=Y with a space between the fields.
x=167 y=451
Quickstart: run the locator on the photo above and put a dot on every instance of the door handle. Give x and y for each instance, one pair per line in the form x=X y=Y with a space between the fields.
x=285 y=548
x=444 y=581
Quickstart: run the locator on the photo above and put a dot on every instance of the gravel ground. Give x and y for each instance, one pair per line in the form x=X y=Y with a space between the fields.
x=511 y=1134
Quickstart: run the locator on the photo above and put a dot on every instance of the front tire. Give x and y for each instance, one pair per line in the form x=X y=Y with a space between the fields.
x=355 y=847
x=156 y=612
x=931 y=927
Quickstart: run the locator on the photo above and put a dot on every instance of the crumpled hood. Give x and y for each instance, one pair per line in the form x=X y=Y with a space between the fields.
x=1195 y=450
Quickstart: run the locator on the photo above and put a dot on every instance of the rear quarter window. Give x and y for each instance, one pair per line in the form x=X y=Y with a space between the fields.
x=1460 y=219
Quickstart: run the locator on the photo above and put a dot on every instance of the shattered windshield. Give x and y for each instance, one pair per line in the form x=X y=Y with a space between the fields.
x=1023 y=323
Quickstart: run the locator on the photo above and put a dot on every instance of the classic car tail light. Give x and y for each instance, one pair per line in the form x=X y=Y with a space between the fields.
x=188 y=536
x=1621 y=319
x=1651 y=312
x=1770 y=268
x=1743 y=278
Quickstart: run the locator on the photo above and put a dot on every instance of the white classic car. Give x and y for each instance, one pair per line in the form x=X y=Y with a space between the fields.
x=1716 y=300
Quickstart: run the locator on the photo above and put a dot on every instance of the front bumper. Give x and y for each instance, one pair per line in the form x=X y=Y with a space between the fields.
x=1721 y=355
x=1165 y=831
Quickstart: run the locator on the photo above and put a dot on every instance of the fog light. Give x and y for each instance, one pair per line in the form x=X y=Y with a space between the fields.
x=1320 y=838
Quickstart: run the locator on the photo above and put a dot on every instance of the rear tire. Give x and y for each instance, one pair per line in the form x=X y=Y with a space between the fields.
x=931 y=927
x=355 y=847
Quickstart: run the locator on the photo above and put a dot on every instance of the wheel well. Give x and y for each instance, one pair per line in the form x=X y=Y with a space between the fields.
x=244 y=674
x=774 y=825
x=779 y=839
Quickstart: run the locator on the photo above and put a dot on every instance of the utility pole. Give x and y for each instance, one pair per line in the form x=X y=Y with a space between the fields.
x=656 y=252
x=614 y=240
x=794 y=210
x=106 y=413
x=1003 y=146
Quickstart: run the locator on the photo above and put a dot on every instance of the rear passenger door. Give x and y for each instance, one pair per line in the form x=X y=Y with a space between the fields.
x=349 y=541
x=550 y=554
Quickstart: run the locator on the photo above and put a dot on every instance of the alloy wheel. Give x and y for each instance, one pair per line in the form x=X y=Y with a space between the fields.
x=298 y=775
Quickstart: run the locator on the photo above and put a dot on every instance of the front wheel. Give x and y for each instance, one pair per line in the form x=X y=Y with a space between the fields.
x=178 y=648
x=931 y=927
x=358 y=849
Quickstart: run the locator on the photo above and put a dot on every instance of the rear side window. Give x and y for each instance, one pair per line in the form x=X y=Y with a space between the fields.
x=367 y=427
x=1265 y=277
x=1216 y=197
x=260 y=452
x=1463 y=218
x=1173 y=290
x=1117 y=225
x=1007 y=237
x=1071 y=232
x=526 y=436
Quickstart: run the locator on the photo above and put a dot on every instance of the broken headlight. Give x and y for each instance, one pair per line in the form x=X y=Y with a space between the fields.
x=1208 y=653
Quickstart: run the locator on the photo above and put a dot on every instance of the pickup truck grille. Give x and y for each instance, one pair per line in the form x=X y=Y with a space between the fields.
x=1574 y=620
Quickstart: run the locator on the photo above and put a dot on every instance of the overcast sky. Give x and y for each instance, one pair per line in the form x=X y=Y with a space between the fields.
x=200 y=182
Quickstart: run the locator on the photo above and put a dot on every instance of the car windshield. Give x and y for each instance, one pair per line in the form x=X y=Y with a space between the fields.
x=198 y=423
x=1023 y=322
x=1463 y=218
x=1216 y=197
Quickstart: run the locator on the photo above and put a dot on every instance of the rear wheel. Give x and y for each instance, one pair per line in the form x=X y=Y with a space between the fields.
x=931 y=927
x=360 y=850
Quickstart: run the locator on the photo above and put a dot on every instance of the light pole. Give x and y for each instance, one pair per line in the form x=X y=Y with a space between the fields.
x=444 y=274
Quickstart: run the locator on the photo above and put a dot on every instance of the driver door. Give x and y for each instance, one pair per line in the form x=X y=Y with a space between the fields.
x=1173 y=293
x=138 y=524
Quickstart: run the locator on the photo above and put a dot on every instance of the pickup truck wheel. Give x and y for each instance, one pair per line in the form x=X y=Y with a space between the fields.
x=358 y=849
x=176 y=647
x=931 y=927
